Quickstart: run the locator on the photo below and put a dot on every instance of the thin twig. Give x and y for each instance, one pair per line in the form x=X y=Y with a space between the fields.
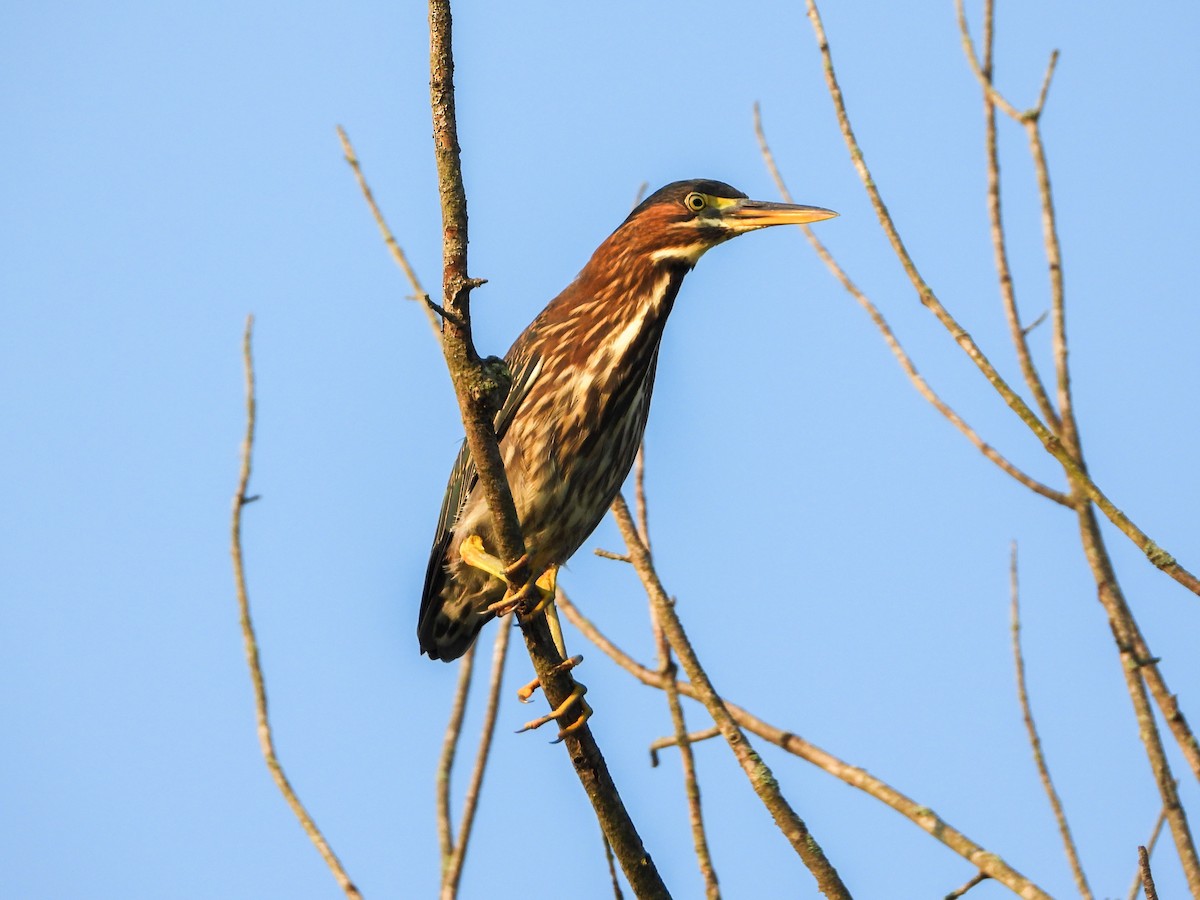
x=478 y=389
x=1035 y=742
x=612 y=868
x=266 y=740
x=1159 y=557
x=419 y=293
x=757 y=771
x=979 y=878
x=1137 y=878
x=922 y=816
x=453 y=870
x=608 y=554
x=893 y=343
x=693 y=737
x=1031 y=120
x=1147 y=877
x=1116 y=608
x=458 y=709
x=999 y=244
x=667 y=668
x=639 y=495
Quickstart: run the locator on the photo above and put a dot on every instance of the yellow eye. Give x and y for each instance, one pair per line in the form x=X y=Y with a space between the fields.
x=695 y=202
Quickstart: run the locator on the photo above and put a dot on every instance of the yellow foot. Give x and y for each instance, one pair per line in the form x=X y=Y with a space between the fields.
x=526 y=692
x=472 y=554
x=540 y=592
x=574 y=699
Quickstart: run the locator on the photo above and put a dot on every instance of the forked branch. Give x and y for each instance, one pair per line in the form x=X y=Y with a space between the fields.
x=1054 y=445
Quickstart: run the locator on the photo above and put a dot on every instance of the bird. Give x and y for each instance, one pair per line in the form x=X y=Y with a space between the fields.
x=582 y=375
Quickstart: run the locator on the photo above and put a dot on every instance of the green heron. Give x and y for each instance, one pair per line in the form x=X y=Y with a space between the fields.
x=582 y=374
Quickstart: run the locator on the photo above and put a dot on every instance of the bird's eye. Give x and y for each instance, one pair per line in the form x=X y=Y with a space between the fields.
x=695 y=202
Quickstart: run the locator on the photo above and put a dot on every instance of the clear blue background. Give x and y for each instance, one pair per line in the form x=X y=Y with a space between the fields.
x=838 y=551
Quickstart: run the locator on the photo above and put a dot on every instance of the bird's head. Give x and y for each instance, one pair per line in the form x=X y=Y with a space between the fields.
x=681 y=221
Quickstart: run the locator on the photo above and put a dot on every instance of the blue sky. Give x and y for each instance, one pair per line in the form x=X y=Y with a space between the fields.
x=838 y=552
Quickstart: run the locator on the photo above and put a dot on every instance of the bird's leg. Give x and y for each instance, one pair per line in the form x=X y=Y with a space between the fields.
x=575 y=698
x=471 y=552
x=548 y=584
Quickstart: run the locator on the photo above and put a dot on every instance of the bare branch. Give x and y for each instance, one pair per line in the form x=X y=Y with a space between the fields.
x=1035 y=742
x=999 y=243
x=1137 y=878
x=608 y=554
x=983 y=76
x=1159 y=557
x=693 y=737
x=266 y=740
x=479 y=385
x=1117 y=610
x=419 y=293
x=893 y=343
x=612 y=868
x=1041 y=102
x=1147 y=878
x=920 y=815
x=666 y=666
x=453 y=869
x=1130 y=645
x=458 y=709
x=756 y=770
x=979 y=878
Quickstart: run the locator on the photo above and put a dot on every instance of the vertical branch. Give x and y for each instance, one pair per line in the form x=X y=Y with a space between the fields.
x=480 y=386
x=1147 y=877
x=446 y=762
x=1058 y=314
x=265 y=739
x=453 y=869
x=688 y=759
x=667 y=668
x=1035 y=742
x=999 y=244
x=1137 y=878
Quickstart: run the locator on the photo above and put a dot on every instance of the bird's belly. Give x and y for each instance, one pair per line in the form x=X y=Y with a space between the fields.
x=565 y=478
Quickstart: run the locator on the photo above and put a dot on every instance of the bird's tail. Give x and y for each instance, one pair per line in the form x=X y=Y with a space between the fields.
x=453 y=605
x=448 y=625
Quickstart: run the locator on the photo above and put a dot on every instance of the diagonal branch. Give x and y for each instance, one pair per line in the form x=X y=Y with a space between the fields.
x=756 y=770
x=452 y=873
x=893 y=343
x=1055 y=446
x=480 y=385
x=922 y=816
x=398 y=254
x=265 y=738
x=458 y=709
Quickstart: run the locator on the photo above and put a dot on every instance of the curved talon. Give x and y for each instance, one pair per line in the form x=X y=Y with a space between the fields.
x=525 y=693
x=575 y=698
x=585 y=713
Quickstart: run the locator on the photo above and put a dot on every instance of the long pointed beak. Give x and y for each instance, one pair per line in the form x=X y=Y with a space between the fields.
x=746 y=215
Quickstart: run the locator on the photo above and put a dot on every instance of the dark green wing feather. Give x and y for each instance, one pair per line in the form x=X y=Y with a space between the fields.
x=525 y=370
